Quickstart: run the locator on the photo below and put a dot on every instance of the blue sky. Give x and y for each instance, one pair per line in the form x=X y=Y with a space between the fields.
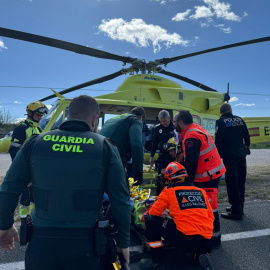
x=146 y=29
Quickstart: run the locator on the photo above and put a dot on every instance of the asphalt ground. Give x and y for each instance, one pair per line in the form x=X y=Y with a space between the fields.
x=245 y=244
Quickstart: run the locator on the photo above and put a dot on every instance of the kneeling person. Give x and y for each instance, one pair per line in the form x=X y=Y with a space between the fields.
x=175 y=150
x=188 y=225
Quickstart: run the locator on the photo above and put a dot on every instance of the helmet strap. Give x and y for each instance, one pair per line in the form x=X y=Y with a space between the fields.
x=31 y=116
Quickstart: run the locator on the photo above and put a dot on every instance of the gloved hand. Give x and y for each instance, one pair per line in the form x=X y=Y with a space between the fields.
x=247 y=150
x=138 y=178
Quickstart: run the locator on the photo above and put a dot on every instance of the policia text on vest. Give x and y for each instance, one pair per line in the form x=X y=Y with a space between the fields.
x=61 y=140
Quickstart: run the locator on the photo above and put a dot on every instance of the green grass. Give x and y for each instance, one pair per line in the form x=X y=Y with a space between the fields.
x=262 y=145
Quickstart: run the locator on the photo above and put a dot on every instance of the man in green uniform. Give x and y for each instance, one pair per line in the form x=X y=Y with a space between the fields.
x=21 y=134
x=126 y=131
x=70 y=169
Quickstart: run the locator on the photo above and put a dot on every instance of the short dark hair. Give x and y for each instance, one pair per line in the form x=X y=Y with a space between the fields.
x=138 y=111
x=185 y=116
x=225 y=108
x=82 y=107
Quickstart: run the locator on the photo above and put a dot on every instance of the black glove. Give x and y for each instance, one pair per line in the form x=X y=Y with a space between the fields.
x=247 y=150
x=138 y=178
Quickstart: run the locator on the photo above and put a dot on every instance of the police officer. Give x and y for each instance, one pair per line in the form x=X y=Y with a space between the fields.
x=202 y=161
x=188 y=225
x=231 y=132
x=163 y=132
x=21 y=134
x=70 y=169
x=126 y=131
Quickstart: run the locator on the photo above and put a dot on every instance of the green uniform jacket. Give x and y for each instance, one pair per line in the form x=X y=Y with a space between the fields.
x=126 y=131
x=70 y=169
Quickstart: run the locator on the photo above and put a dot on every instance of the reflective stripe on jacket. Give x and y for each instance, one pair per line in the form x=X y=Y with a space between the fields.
x=189 y=207
x=209 y=163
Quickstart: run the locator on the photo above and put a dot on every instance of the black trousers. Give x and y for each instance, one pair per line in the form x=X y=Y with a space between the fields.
x=61 y=254
x=163 y=161
x=235 y=177
x=157 y=227
x=212 y=184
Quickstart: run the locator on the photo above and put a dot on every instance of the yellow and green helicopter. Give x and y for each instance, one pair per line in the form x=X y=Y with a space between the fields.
x=143 y=88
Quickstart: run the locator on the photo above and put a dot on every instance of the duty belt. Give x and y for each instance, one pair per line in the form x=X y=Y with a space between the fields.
x=60 y=232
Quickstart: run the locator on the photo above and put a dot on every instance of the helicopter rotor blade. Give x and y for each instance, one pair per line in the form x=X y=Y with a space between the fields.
x=166 y=61
x=62 y=45
x=82 y=85
x=185 y=79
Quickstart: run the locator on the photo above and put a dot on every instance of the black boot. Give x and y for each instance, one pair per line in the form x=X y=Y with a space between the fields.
x=229 y=209
x=149 y=264
x=205 y=262
x=231 y=215
x=216 y=241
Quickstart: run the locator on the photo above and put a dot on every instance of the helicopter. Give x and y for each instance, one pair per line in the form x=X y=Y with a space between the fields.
x=143 y=88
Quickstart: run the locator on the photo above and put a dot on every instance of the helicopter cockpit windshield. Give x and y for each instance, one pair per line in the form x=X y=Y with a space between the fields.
x=46 y=118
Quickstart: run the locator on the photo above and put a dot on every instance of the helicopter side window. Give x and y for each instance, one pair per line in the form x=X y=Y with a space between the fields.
x=180 y=96
x=209 y=125
x=47 y=117
x=66 y=113
x=196 y=119
x=58 y=121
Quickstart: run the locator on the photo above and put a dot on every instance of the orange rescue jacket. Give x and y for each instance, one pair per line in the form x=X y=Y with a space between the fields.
x=189 y=207
x=209 y=163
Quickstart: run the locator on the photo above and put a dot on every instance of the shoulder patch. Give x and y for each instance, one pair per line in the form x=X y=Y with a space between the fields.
x=189 y=144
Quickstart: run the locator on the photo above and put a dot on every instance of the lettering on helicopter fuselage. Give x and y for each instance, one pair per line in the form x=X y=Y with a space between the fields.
x=152 y=79
x=266 y=131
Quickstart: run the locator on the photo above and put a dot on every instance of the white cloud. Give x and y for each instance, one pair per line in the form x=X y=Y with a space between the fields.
x=213 y=9
x=233 y=99
x=219 y=25
x=163 y=2
x=18 y=120
x=204 y=24
x=226 y=30
x=201 y=12
x=246 y=105
x=141 y=34
x=2 y=45
x=17 y=102
x=222 y=10
x=181 y=16
x=267 y=99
